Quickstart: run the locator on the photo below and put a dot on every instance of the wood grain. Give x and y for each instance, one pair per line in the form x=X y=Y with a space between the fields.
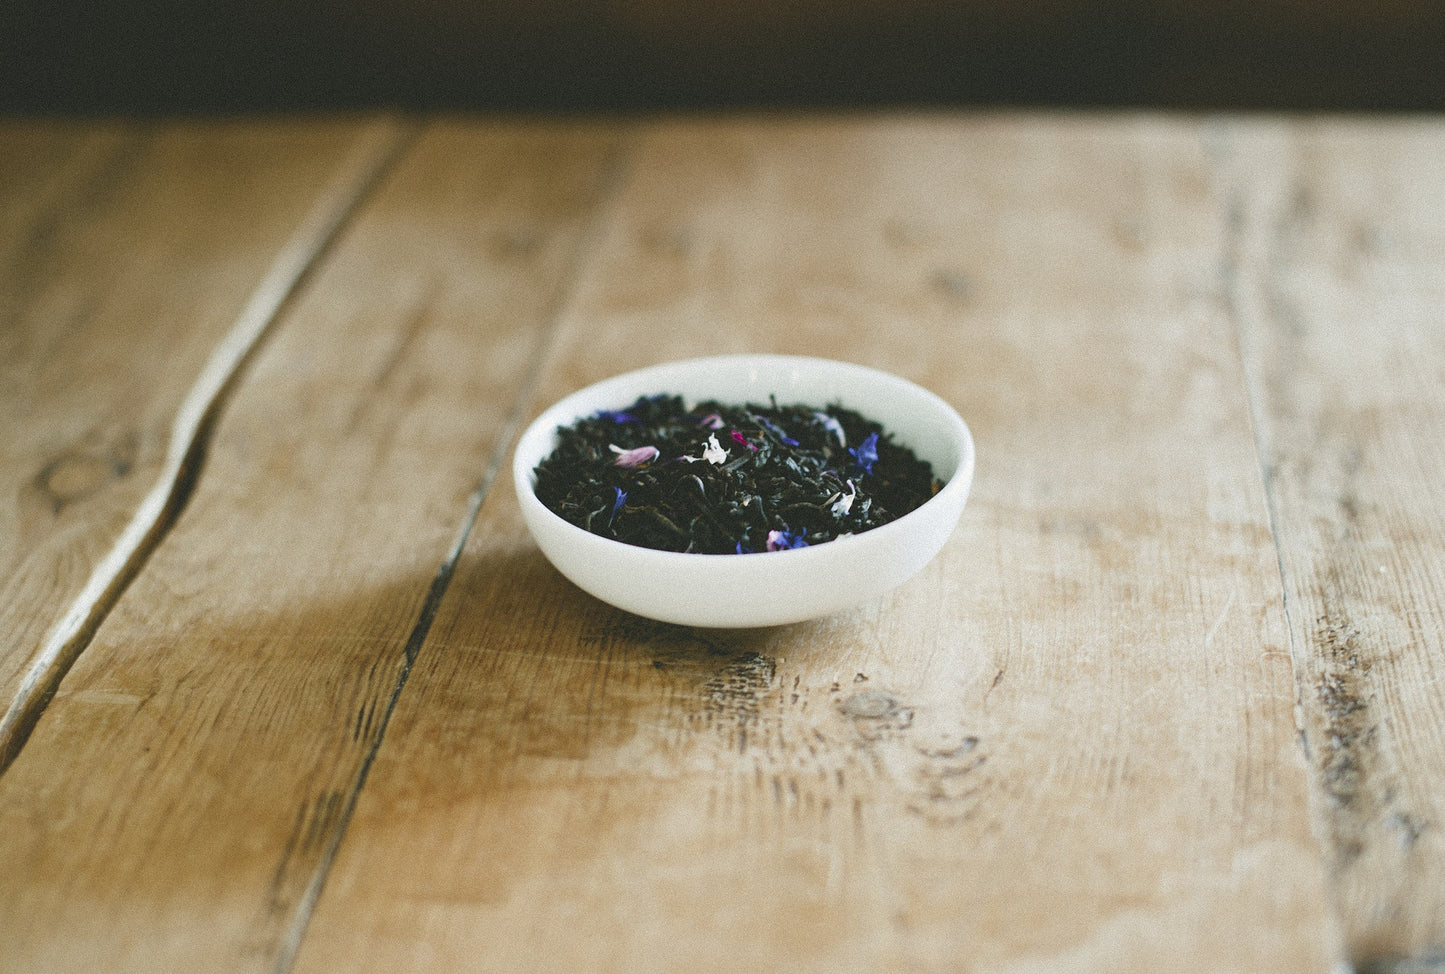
x=129 y=252
x=178 y=801
x=1068 y=745
x=1340 y=291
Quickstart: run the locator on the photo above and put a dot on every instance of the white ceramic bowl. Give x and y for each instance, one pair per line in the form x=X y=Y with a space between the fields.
x=767 y=588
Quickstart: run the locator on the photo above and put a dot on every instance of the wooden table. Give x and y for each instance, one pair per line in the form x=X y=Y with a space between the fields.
x=289 y=688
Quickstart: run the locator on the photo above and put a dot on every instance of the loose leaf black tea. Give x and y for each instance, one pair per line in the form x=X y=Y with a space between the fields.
x=723 y=479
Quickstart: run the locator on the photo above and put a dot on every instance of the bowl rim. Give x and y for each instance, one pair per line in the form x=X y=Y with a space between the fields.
x=567 y=409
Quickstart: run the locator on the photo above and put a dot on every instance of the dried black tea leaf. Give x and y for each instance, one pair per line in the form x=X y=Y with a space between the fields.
x=727 y=479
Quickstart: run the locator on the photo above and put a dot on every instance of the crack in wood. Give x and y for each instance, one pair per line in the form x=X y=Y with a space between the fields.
x=290 y=945
x=1364 y=815
x=1432 y=962
x=193 y=428
x=1359 y=782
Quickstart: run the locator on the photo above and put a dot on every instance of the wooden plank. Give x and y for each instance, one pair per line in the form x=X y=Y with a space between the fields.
x=184 y=790
x=1068 y=745
x=128 y=252
x=45 y=162
x=1340 y=290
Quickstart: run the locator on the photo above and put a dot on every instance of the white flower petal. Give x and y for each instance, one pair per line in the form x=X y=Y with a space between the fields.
x=714 y=453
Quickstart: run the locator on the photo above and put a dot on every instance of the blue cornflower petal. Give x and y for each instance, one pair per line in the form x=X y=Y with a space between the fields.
x=785 y=539
x=866 y=453
x=617 y=504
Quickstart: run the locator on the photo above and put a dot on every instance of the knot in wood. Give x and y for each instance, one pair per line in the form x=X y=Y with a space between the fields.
x=870 y=704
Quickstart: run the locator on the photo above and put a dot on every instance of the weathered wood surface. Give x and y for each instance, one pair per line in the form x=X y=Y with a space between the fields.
x=1097 y=734
x=1069 y=745
x=127 y=254
x=1341 y=291
x=184 y=790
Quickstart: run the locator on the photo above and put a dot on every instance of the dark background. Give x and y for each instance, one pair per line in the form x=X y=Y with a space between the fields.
x=167 y=56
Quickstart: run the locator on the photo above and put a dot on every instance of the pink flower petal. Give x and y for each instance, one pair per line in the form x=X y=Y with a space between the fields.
x=634 y=457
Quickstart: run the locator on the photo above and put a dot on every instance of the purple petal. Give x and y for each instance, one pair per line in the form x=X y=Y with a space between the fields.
x=773 y=428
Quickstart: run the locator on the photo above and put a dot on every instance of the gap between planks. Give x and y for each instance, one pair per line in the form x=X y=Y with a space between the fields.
x=1234 y=304
x=612 y=179
x=1309 y=669
x=377 y=151
x=1230 y=298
